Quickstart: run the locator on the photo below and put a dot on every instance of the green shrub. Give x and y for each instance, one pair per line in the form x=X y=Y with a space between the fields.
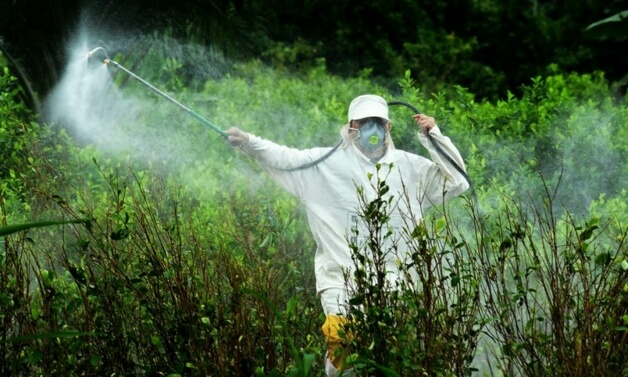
x=555 y=293
x=425 y=322
x=194 y=262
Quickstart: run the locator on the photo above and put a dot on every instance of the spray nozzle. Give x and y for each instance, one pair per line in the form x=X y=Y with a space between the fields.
x=98 y=55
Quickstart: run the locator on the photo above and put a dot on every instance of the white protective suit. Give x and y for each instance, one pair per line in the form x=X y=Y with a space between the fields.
x=328 y=192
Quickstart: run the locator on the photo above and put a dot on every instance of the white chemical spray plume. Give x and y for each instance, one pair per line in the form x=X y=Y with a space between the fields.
x=117 y=121
x=124 y=119
x=87 y=103
x=102 y=105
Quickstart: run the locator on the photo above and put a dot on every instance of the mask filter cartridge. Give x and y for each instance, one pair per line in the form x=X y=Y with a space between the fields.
x=371 y=136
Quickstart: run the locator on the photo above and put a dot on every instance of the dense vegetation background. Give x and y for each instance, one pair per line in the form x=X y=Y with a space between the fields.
x=487 y=46
x=135 y=242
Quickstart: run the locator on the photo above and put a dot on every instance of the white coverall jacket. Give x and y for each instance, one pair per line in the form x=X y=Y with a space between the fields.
x=328 y=192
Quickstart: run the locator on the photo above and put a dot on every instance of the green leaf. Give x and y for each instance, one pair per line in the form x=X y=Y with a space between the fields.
x=291 y=306
x=120 y=234
x=267 y=240
x=603 y=259
x=34 y=311
x=10 y=229
x=35 y=356
x=95 y=360
x=155 y=340
x=587 y=233
x=308 y=361
x=353 y=360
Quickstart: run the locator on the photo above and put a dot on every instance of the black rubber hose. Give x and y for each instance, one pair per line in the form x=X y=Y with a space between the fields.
x=434 y=143
x=440 y=150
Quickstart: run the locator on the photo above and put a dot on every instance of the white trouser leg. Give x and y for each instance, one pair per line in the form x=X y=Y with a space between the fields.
x=334 y=301
x=330 y=369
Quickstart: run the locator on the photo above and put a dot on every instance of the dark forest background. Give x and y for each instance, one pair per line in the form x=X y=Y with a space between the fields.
x=489 y=47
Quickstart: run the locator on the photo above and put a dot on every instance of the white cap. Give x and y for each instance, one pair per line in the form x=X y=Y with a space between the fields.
x=368 y=105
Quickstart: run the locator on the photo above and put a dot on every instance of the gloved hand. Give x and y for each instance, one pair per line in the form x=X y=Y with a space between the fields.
x=236 y=137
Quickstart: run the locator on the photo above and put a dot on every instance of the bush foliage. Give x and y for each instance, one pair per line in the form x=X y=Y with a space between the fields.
x=189 y=261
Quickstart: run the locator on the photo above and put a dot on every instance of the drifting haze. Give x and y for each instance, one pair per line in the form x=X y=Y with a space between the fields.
x=107 y=108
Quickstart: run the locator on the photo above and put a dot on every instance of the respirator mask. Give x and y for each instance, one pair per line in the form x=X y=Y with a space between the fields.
x=371 y=134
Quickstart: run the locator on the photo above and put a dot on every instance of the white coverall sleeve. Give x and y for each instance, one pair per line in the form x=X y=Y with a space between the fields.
x=279 y=159
x=444 y=181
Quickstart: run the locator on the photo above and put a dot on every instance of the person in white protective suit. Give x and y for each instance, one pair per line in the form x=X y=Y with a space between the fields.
x=328 y=190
